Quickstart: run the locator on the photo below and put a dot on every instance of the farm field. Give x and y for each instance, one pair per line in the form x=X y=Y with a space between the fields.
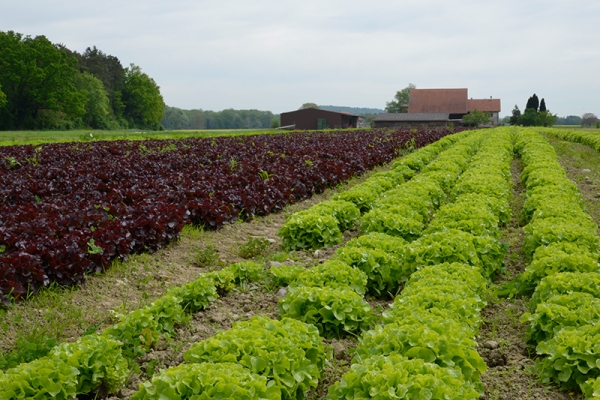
x=501 y=337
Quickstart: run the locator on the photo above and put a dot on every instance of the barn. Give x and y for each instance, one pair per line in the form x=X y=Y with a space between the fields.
x=316 y=119
x=438 y=107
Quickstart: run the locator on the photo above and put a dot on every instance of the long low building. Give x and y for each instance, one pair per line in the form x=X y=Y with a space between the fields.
x=314 y=118
x=406 y=120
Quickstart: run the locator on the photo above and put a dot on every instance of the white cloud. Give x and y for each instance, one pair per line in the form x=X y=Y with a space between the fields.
x=275 y=55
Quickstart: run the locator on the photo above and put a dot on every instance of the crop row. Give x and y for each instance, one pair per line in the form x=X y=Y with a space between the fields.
x=563 y=248
x=425 y=347
x=70 y=209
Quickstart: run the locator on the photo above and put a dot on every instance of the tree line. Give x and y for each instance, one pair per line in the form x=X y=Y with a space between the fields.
x=176 y=118
x=536 y=114
x=48 y=86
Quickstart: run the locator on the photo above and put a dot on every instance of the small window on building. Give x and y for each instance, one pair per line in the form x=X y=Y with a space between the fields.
x=321 y=123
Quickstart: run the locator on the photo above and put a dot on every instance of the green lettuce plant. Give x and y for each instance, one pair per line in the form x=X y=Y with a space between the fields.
x=334 y=274
x=396 y=377
x=288 y=352
x=563 y=283
x=306 y=230
x=208 y=381
x=335 y=312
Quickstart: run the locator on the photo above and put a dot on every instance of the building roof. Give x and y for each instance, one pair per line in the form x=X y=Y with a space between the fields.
x=414 y=117
x=451 y=101
x=304 y=110
x=487 y=105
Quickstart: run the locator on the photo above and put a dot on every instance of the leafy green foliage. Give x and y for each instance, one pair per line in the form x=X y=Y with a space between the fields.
x=287 y=352
x=543 y=232
x=345 y=212
x=99 y=361
x=456 y=246
x=384 y=271
x=572 y=356
x=196 y=295
x=223 y=279
x=476 y=118
x=247 y=271
x=208 y=381
x=396 y=377
x=362 y=196
x=306 y=230
x=28 y=349
x=144 y=105
x=392 y=245
x=409 y=200
x=467 y=217
x=45 y=377
x=573 y=309
x=333 y=274
x=253 y=247
x=563 y=283
x=431 y=338
x=335 y=312
x=284 y=275
x=555 y=258
x=391 y=222
x=591 y=389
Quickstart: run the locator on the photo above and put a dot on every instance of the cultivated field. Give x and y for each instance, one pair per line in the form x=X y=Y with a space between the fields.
x=410 y=280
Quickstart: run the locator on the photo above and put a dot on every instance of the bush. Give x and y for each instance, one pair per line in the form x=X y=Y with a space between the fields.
x=287 y=352
x=335 y=312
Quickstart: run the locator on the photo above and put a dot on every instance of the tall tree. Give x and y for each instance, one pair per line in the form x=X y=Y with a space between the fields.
x=400 y=102
x=533 y=103
x=144 y=105
x=308 y=105
x=589 y=119
x=543 y=105
x=37 y=79
x=109 y=70
x=516 y=114
x=97 y=107
x=2 y=97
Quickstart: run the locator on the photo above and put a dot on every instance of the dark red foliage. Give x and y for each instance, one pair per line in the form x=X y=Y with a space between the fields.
x=130 y=196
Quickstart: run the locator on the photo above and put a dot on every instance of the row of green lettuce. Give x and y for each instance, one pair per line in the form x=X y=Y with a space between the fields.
x=107 y=358
x=328 y=297
x=426 y=346
x=322 y=225
x=563 y=273
x=589 y=138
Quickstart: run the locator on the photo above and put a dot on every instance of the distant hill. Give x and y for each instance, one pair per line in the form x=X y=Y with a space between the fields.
x=353 y=110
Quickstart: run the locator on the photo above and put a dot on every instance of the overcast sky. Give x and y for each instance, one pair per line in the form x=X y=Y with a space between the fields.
x=278 y=54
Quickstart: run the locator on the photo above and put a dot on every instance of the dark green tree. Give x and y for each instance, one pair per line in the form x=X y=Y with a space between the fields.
x=2 y=98
x=400 y=102
x=516 y=114
x=476 y=118
x=37 y=79
x=543 y=106
x=97 y=107
x=529 y=118
x=308 y=105
x=533 y=103
x=144 y=105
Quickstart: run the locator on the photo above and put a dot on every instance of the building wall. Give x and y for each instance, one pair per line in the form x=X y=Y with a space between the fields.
x=411 y=124
x=308 y=119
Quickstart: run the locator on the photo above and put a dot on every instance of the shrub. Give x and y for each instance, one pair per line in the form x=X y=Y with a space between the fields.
x=335 y=312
